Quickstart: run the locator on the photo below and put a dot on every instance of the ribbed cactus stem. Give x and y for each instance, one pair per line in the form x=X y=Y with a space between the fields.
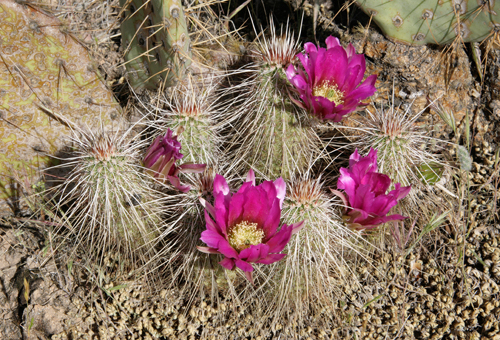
x=156 y=42
x=286 y=136
x=109 y=202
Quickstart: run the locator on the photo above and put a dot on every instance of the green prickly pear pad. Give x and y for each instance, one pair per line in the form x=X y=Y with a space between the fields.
x=434 y=21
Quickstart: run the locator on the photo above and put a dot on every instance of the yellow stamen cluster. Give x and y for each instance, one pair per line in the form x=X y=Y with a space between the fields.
x=330 y=91
x=245 y=234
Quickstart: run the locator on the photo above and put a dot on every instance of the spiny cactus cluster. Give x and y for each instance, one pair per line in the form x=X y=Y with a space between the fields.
x=191 y=110
x=156 y=42
x=432 y=21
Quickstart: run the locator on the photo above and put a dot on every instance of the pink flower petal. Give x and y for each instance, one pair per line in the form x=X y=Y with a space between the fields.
x=296 y=227
x=225 y=248
x=332 y=42
x=280 y=186
x=310 y=48
x=290 y=72
x=235 y=215
x=220 y=185
x=351 y=51
x=211 y=238
x=211 y=225
x=367 y=89
x=243 y=265
x=251 y=177
x=271 y=258
x=192 y=168
x=227 y=263
x=332 y=67
x=379 y=183
x=256 y=206
x=272 y=221
x=278 y=242
x=177 y=184
x=208 y=207
x=249 y=277
x=254 y=253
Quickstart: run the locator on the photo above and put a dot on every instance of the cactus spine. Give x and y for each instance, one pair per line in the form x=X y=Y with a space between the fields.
x=301 y=281
x=190 y=109
x=109 y=203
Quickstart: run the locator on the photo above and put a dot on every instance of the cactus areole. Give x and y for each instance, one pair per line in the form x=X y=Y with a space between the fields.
x=432 y=21
x=155 y=42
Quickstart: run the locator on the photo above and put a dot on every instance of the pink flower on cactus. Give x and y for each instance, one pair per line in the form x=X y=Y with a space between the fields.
x=329 y=87
x=368 y=202
x=161 y=157
x=244 y=227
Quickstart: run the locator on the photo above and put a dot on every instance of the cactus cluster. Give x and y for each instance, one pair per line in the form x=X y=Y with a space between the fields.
x=43 y=71
x=304 y=275
x=403 y=147
x=191 y=109
x=155 y=42
x=274 y=241
x=432 y=21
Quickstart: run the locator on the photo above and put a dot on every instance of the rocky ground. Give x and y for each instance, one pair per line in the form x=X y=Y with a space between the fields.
x=445 y=286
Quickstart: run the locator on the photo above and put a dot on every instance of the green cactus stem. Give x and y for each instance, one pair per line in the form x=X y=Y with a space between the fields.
x=273 y=137
x=156 y=42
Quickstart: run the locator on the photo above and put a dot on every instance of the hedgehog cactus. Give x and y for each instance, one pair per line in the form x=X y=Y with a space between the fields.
x=274 y=136
x=43 y=72
x=432 y=21
x=156 y=42
x=109 y=201
x=314 y=253
x=191 y=110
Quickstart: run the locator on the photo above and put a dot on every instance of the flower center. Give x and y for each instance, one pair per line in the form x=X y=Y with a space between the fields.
x=330 y=91
x=245 y=234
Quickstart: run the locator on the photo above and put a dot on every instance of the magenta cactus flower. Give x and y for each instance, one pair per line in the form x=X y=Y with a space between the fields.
x=161 y=157
x=328 y=88
x=368 y=204
x=244 y=227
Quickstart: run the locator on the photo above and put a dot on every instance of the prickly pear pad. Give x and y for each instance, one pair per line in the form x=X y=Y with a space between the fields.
x=43 y=70
x=434 y=22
